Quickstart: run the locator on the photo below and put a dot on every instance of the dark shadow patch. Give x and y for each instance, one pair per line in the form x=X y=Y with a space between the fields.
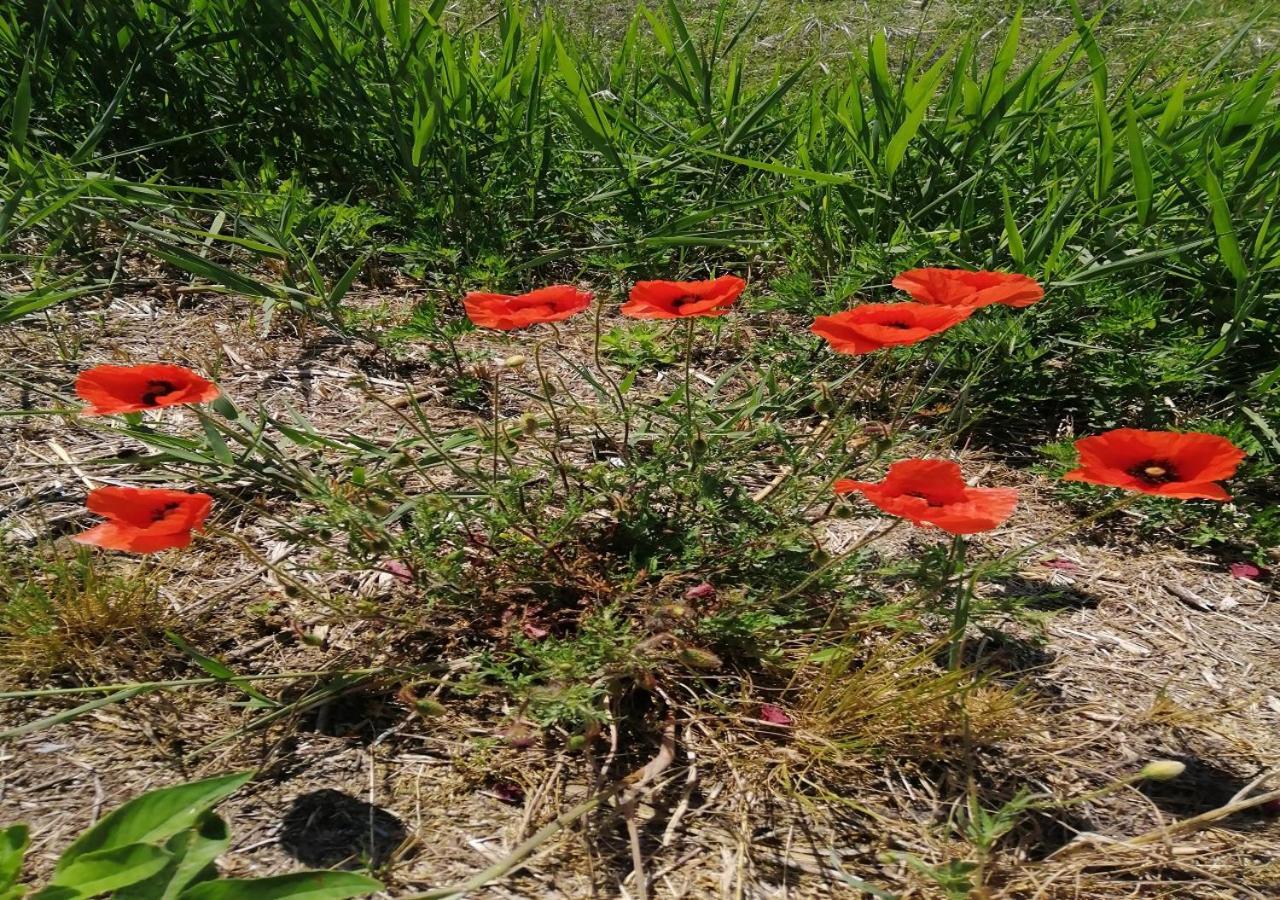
x=359 y=715
x=1039 y=594
x=327 y=829
x=1202 y=787
x=1001 y=655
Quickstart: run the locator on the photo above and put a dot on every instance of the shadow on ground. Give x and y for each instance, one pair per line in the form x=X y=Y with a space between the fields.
x=327 y=829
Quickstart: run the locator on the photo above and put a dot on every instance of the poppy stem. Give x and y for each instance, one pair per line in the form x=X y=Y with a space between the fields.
x=962 y=601
x=497 y=384
x=554 y=446
x=688 y=397
x=624 y=450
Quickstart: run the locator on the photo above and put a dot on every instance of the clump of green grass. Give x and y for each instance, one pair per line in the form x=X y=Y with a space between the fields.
x=70 y=613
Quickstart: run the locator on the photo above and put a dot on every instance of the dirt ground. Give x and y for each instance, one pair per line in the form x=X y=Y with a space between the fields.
x=1149 y=653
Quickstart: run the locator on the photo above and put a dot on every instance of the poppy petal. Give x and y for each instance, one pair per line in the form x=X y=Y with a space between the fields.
x=112 y=390
x=961 y=287
x=1183 y=465
x=682 y=299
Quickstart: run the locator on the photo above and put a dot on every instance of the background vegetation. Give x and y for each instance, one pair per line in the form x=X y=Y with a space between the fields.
x=292 y=152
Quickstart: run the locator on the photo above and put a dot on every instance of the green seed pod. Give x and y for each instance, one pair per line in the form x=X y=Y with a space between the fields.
x=1162 y=770
x=699 y=447
x=429 y=708
x=576 y=743
x=695 y=658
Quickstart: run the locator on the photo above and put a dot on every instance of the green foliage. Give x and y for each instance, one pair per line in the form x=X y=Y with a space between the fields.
x=162 y=846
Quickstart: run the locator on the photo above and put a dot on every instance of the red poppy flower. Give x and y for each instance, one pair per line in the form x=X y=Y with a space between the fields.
x=124 y=389
x=933 y=492
x=1165 y=463
x=144 y=520
x=874 y=326
x=959 y=287
x=507 y=312
x=682 y=299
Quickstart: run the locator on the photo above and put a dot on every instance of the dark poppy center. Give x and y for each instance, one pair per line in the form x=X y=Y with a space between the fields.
x=1154 y=471
x=683 y=301
x=932 y=501
x=156 y=390
x=902 y=325
x=161 y=512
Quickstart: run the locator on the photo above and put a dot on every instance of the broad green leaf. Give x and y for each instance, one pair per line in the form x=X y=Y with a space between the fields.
x=1228 y=245
x=1106 y=144
x=897 y=148
x=1011 y=233
x=193 y=852
x=154 y=817
x=13 y=847
x=20 y=115
x=100 y=871
x=295 y=886
x=1142 y=181
x=1173 y=108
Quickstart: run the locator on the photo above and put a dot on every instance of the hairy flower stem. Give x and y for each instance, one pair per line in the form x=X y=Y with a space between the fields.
x=556 y=428
x=690 y=436
x=961 y=601
x=625 y=449
x=497 y=385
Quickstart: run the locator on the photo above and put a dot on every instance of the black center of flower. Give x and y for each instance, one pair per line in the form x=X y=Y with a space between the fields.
x=1154 y=471
x=683 y=301
x=156 y=390
x=160 y=512
x=925 y=497
x=902 y=325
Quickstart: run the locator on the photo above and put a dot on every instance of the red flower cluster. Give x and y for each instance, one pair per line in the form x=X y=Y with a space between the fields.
x=924 y=491
x=144 y=520
x=943 y=298
x=648 y=300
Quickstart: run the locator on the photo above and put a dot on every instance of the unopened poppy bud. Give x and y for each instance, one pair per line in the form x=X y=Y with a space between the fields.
x=548 y=389
x=429 y=708
x=695 y=658
x=1162 y=770
x=699 y=447
x=674 y=611
x=529 y=424
x=515 y=361
x=576 y=742
x=312 y=637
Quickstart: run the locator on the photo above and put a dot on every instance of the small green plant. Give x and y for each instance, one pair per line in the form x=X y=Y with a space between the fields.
x=162 y=846
x=640 y=346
